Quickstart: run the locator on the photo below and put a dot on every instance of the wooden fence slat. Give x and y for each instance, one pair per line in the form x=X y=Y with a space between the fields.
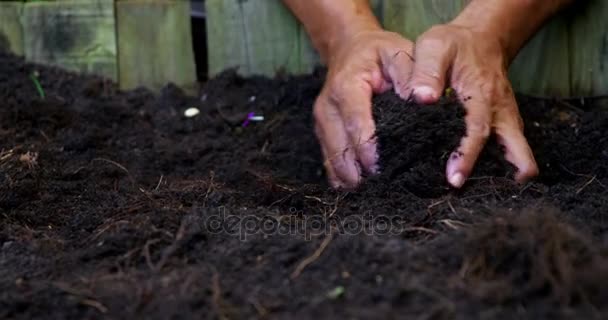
x=568 y=56
x=11 y=30
x=259 y=37
x=541 y=67
x=77 y=35
x=271 y=36
x=154 y=43
x=588 y=44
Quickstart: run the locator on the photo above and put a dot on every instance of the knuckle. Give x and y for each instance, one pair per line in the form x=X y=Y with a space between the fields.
x=495 y=88
x=478 y=128
x=352 y=127
x=431 y=41
x=338 y=90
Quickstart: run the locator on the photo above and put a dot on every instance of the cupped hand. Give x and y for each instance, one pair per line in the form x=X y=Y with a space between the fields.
x=474 y=64
x=372 y=61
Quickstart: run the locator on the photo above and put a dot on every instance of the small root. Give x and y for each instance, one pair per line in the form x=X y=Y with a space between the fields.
x=302 y=265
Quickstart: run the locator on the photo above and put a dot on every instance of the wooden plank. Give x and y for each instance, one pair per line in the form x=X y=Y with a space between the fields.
x=11 y=30
x=259 y=37
x=588 y=40
x=542 y=66
x=75 y=34
x=154 y=43
x=413 y=17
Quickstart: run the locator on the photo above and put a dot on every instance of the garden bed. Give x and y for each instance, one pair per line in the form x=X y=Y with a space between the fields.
x=114 y=204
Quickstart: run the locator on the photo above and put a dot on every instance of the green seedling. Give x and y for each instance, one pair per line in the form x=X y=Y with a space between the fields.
x=34 y=77
x=336 y=293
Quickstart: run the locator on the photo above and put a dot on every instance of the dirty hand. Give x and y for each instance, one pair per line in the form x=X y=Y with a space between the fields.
x=474 y=64
x=362 y=59
x=372 y=61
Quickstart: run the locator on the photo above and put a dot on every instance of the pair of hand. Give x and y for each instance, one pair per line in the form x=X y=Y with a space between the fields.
x=373 y=61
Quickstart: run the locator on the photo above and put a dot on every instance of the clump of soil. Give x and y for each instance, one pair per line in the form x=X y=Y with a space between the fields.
x=534 y=254
x=114 y=204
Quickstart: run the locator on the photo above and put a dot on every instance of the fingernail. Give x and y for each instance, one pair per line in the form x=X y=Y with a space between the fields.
x=456 y=180
x=425 y=94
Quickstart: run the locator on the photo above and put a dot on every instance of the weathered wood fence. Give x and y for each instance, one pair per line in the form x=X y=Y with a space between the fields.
x=149 y=42
x=568 y=57
x=135 y=42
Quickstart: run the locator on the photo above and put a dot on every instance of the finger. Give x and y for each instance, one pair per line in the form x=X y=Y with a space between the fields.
x=332 y=178
x=509 y=132
x=339 y=155
x=433 y=58
x=354 y=102
x=397 y=65
x=478 y=126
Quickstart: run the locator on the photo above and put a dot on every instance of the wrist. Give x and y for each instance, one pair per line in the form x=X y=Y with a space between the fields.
x=510 y=23
x=331 y=23
x=342 y=36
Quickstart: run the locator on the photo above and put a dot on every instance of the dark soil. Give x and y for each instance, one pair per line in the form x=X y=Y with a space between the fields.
x=115 y=205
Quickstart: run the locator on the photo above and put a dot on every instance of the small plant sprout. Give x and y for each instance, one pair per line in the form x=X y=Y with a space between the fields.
x=336 y=293
x=34 y=77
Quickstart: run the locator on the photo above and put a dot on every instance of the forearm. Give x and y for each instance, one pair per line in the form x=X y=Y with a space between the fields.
x=328 y=22
x=513 y=22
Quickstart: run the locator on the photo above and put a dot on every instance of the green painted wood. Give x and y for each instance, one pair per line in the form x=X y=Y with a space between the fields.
x=542 y=66
x=588 y=43
x=11 y=30
x=412 y=17
x=567 y=57
x=154 y=43
x=78 y=35
x=257 y=36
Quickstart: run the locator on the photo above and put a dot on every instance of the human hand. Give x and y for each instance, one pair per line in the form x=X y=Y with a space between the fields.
x=371 y=61
x=474 y=63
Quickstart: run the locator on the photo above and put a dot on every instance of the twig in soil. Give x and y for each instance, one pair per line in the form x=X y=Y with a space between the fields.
x=146 y=252
x=338 y=199
x=434 y=204
x=585 y=185
x=478 y=196
x=583 y=175
x=159 y=182
x=456 y=225
x=262 y=312
x=85 y=296
x=217 y=296
x=120 y=166
x=106 y=228
x=302 y=265
x=44 y=136
x=452 y=207
x=170 y=250
x=95 y=304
